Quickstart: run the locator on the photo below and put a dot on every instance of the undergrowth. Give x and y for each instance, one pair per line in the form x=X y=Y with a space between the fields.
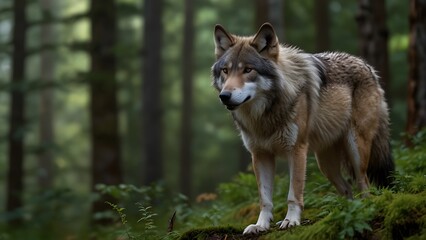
x=146 y=213
x=395 y=213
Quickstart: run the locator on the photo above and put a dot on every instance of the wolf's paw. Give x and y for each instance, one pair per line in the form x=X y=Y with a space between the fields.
x=254 y=229
x=262 y=224
x=287 y=223
x=292 y=218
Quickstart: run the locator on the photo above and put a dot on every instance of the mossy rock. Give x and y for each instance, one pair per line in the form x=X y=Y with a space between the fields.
x=406 y=216
x=217 y=233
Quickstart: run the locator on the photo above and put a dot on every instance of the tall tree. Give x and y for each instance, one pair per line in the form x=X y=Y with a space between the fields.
x=270 y=11
x=276 y=17
x=262 y=13
x=416 y=119
x=105 y=141
x=17 y=109
x=47 y=63
x=151 y=92
x=373 y=32
x=322 y=25
x=186 y=119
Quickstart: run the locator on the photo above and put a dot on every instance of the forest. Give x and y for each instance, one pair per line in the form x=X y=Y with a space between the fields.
x=112 y=129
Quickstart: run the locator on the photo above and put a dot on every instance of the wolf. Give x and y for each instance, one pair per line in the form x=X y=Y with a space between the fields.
x=286 y=102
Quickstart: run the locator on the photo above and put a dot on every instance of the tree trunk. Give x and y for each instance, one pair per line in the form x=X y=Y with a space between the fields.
x=276 y=18
x=151 y=92
x=186 y=120
x=45 y=165
x=262 y=13
x=416 y=118
x=17 y=109
x=373 y=32
x=322 y=24
x=106 y=166
x=270 y=11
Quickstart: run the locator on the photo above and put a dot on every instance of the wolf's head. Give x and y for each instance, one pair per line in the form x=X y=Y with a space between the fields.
x=245 y=66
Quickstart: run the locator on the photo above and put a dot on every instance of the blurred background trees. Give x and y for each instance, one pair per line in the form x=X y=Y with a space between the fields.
x=17 y=110
x=374 y=34
x=118 y=91
x=152 y=109
x=416 y=100
x=103 y=106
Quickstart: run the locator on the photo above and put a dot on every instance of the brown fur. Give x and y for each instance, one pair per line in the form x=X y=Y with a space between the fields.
x=285 y=102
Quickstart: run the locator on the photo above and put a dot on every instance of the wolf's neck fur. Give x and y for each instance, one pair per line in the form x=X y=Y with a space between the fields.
x=296 y=72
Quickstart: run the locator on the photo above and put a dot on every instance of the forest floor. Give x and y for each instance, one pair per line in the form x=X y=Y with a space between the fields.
x=398 y=212
x=387 y=215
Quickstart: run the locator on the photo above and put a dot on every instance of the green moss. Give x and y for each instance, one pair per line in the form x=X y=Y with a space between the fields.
x=319 y=230
x=405 y=216
x=396 y=213
x=417 y=184
x=214 y=233
x=249 y=213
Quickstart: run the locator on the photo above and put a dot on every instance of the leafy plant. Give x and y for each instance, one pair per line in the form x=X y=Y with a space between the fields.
x=120 y=212
x=125 y=191
x=411 y=160
x=147 y=228
x=352 y=217
x=144 y=225
x=242 y=189
x=147 y=218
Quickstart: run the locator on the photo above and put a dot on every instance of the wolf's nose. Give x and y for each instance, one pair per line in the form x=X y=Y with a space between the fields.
x=225 y=96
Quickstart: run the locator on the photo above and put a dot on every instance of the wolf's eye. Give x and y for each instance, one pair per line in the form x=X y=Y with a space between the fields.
x=225 y=70
x=247 y=70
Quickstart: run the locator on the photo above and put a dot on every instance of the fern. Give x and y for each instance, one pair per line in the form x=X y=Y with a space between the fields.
x=147 y=217
x=123 y=218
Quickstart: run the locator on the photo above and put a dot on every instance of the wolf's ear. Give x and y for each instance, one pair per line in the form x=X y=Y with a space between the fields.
x=223 y=40
x=266 y=41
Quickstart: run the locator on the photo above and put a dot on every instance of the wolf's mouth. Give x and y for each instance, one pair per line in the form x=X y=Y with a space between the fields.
x=234 y=106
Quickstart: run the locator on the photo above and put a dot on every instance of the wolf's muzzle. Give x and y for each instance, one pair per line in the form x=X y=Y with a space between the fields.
x=226 y=96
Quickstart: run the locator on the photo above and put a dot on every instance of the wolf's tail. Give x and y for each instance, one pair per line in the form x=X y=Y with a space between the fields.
x=381 y=166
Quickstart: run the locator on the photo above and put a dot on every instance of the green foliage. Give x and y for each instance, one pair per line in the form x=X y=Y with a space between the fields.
x=405 y=216
x=405 y=156
x=395 y=213
x=147 y=217
x=411 y=165
x=126 y=191
x=145 y=227
x=63 y=212
x=350 y=217
x=409 y=183
x=120 y=212
x=336 y=218
x=51 y=214
x=239 y=190
x=212 y=233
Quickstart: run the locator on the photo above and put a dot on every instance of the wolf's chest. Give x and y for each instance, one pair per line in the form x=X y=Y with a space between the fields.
x=269 y=137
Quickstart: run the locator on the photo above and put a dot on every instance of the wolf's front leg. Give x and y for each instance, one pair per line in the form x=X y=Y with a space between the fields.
x=297 y=166
x=264 y=169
